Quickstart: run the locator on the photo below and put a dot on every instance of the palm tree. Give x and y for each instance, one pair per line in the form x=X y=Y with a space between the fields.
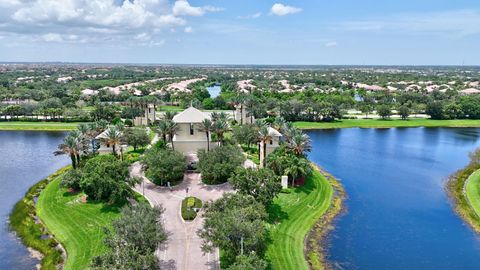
x=279 y=123
x=264 y=136
x=207 y=126
x=113 y=137
x=297 y=167
x=288 y=131
x=300 y=144
x=171 y=129
x=163 y=129
x=220 y=126
x=168 y=115
x=71 y=147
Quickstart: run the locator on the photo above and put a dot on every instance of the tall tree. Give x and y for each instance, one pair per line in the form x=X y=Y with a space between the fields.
x=207 y=127
x=70 y=146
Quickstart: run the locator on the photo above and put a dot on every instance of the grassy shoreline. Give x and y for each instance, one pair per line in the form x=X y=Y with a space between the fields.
x=296 y=214
x=458 y=187
x=379 y=123
x=23 y=221
x=38 y=126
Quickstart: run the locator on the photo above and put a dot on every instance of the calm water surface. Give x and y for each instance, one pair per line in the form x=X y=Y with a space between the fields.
x=399 y=216
x=25 y=158
x=214 y=91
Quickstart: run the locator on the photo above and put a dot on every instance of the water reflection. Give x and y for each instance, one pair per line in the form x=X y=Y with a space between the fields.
x=399 y=216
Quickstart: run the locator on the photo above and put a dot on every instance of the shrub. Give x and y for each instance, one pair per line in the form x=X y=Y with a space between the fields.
x=188 y=207
x=71 y=179
x=219 y=164
x=104 y=178
x=164 y=165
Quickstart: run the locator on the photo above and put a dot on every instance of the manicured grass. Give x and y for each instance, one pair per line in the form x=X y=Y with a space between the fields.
x=473 y=191
x=30 y=232
x=171 y=108
x=463 y=187
x=379 y=123
x=77 y=225
x=293 y=216
x=40 y=126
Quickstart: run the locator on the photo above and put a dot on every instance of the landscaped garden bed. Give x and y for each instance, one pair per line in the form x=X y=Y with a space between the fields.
x=190 y=208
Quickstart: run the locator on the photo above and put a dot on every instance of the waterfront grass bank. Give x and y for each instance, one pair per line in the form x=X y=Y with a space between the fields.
x=463 y=188
x=379 y=123
x=292 y=216
x=77 y=224
x=24 y=222
x=38 y=126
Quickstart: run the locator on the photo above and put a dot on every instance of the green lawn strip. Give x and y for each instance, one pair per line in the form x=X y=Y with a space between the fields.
x=300 y=210
x=473 y=191
x=78 y=226
x=379 y=123
x=463 y=188
x=22 y=221
x=40 y=126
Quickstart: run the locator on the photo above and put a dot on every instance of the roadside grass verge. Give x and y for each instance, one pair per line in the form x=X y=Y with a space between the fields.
x=379 y=123
x=30 y=232
x=77 y=225
x=463 y=187
x=38 y=126
x=292 y=216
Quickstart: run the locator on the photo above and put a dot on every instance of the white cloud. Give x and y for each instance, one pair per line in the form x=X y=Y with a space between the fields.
x=96 y=20
x=183 y=8
x=330 y=44
x=251 y=16
x=52 y=37
x=188 y=29
x=448 y=23
x=282 y=10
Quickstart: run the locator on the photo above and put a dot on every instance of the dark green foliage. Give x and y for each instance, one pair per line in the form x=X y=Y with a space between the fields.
x=384 y=111
x=262 y=184
x=133 y=240
x=105 y=178
x=164 y=165
x=246 y=134
x=188 y=208
x=248 y=262
x=71 y=179
x=435 y=110
x=219 y=164
x=404 y=112
x=231 y=223
x=137 y=137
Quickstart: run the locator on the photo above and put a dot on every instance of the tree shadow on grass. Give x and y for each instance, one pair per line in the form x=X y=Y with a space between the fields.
x=276 y=214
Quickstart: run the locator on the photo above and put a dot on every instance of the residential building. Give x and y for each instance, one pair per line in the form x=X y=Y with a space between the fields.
x=190 y=137
x=271 y=144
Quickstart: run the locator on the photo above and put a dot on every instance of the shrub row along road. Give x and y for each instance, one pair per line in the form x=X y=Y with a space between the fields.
x=183 y=247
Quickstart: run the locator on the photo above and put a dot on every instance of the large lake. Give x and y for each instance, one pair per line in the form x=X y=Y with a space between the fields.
x=25 y=158
x=398 y=214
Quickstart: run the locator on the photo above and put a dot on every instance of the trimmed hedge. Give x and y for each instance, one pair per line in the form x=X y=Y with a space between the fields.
x=188 y=208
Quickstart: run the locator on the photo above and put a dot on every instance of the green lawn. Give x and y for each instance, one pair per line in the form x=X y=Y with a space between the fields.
x=473 y=191
x=78 y=226
x=171 y=108
x=298 y=212
x=40 y=126
x=378 y=123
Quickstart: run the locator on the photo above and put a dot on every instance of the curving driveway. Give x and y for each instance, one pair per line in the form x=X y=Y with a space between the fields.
x=183 y=247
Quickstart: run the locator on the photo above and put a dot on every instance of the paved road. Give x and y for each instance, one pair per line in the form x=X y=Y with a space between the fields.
x=182 y=250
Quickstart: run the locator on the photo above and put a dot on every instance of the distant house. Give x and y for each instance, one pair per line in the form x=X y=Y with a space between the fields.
x=271 y=145
x=105 y=148
x=148 y=116
x=242 y=115
x=189 y=137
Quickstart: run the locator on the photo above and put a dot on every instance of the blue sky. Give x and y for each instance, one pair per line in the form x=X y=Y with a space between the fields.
x=315 y=32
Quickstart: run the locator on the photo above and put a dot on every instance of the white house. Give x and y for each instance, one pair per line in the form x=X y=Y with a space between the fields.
x=106 y=148
x=271 y=145
x=242 y=116
x=148 y=116
x=190 y=138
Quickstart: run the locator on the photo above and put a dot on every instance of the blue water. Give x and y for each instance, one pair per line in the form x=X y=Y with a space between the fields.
x=25 y=158
x=214 y=91
x=398 y=214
